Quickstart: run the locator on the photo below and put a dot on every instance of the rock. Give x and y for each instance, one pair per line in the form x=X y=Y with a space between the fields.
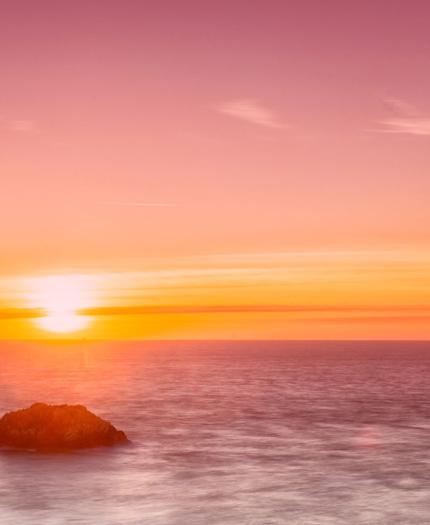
x=57 y=427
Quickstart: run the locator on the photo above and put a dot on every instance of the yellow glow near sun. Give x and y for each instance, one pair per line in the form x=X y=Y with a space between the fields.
x=61 y=297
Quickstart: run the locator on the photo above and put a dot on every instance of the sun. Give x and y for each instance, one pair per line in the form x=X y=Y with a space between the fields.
x=61 y=297
x=63 y=322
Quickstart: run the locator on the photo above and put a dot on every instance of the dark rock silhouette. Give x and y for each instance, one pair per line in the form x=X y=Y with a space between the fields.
x=57 y=427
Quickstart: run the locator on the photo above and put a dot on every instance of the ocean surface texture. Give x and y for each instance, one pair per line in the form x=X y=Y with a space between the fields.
x=243 y=433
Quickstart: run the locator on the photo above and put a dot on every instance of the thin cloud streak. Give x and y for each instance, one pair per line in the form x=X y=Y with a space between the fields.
x=251 y=111
x=358 y=312
x=23 y=126
x=406 y=119
x=408 y=126
x=257 y=308
x=138 y=204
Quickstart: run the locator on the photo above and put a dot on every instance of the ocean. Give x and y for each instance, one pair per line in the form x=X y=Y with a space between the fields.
x=226 y=433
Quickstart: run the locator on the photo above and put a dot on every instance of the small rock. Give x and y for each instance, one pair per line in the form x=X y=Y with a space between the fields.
x=57 y=427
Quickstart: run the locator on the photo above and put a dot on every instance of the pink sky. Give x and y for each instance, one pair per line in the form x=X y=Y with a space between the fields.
x=133 y=131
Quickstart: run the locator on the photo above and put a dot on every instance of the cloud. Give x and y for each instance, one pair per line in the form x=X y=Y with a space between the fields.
x=409 y=126
x=23 y=126
x=351 y=313
x=400 y=107
x=359 y=310
x=405 y=119
x=251 y=111
x=138 y=204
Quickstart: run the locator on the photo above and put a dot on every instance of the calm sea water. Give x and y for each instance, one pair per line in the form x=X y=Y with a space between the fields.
x=252 y=433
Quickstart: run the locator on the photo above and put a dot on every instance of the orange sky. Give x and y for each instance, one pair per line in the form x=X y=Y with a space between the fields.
x=252 y=170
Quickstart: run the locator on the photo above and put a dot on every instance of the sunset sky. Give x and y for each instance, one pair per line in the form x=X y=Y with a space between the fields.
x=214 y=169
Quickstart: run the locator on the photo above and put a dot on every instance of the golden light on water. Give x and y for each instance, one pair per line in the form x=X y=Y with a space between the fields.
x=61 y=297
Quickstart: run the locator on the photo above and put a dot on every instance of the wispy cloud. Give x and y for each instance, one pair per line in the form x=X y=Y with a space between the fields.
x=142 y=204
x=356 y=310
x=404 y=119
x=24 y=126
x=251 y=111
x=352 y=312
